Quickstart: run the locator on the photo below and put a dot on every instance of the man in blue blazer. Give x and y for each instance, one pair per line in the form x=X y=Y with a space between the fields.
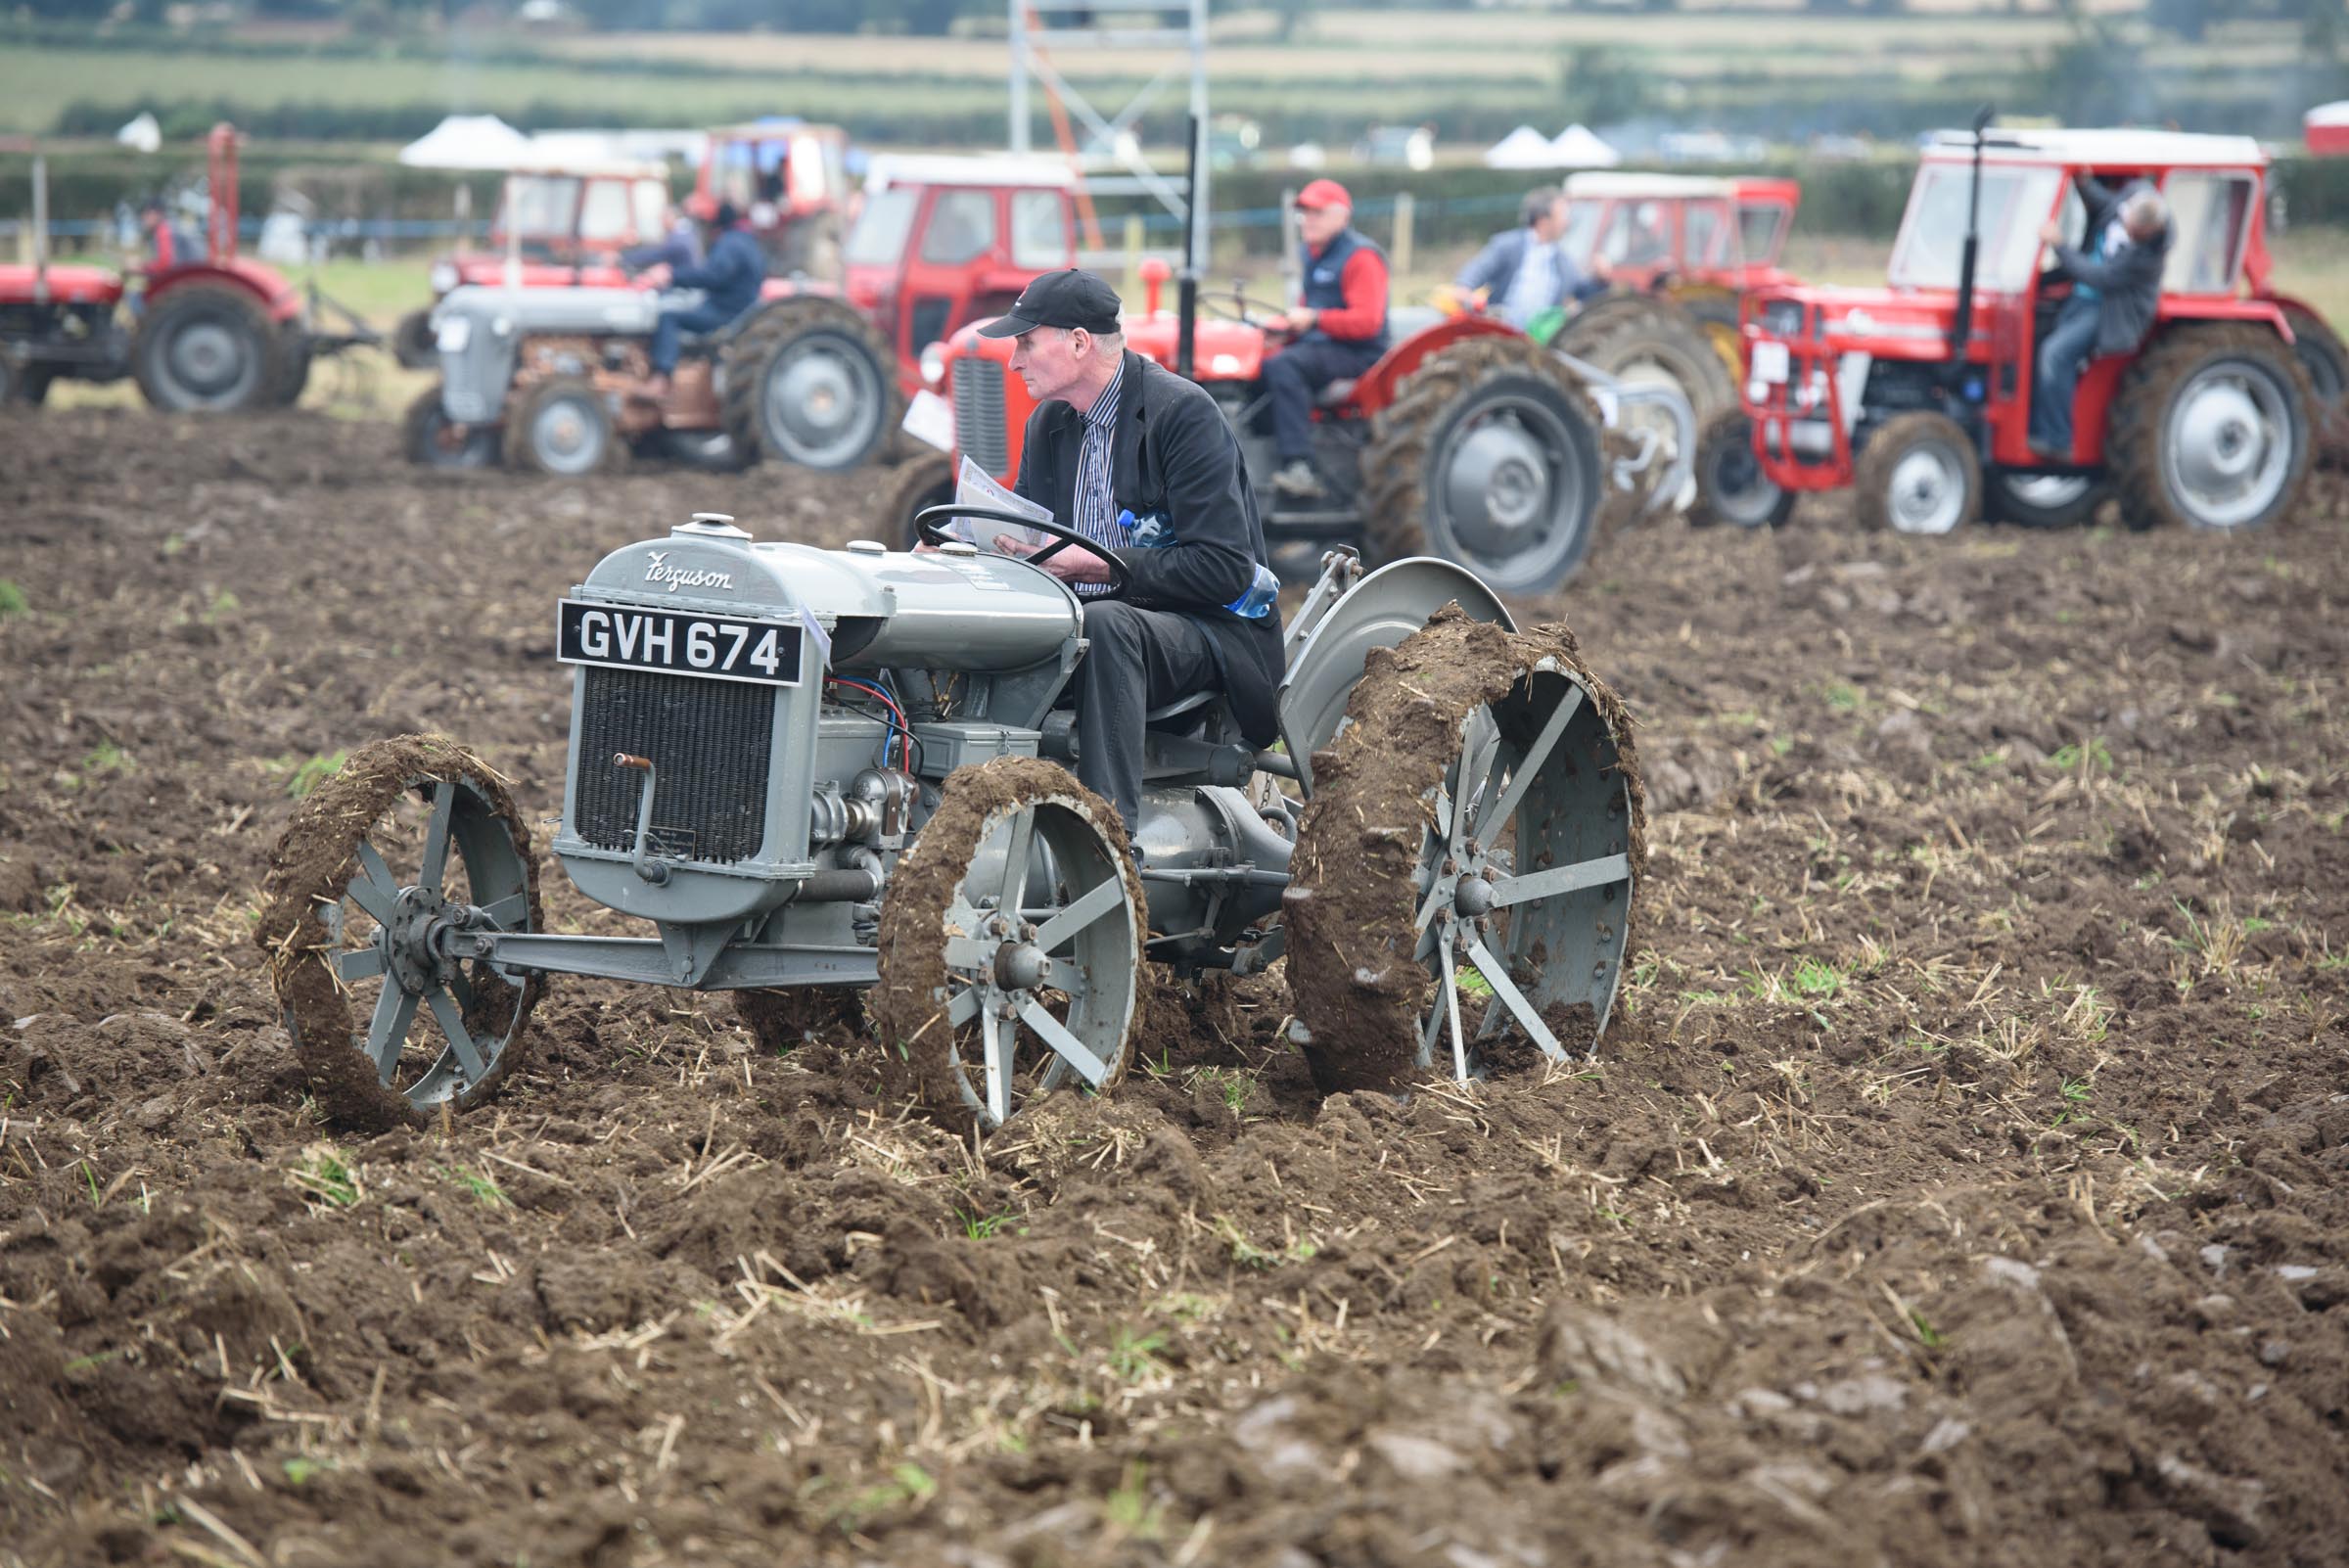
x=1522 y=271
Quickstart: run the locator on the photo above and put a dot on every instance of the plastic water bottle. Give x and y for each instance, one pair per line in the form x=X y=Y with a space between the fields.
x=1152 y=533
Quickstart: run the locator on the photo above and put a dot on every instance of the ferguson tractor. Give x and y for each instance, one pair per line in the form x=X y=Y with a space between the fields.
x=1917 y=395
x=555 y=228
x=217 y=334
x=823 y=771
x=814 y=375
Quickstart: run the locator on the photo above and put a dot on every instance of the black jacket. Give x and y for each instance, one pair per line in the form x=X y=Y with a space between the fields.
x=1173 y=454
x=2128 y=282
x=730 y=275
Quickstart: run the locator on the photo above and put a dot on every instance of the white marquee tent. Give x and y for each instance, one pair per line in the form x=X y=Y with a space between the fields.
x=1522 y=148
x=468 y=141
x=1580 y=147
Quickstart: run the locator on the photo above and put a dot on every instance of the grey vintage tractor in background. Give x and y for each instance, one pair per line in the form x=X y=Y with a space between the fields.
x=818 y=771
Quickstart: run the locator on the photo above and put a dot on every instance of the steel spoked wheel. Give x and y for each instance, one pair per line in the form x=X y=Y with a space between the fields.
x=1483 y=916
x=411 y=846
x=1011 y=947
x=1730 y=487
x=1919 y=473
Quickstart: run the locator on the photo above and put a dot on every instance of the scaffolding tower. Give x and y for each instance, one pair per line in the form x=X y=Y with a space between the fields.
x=1108 y=160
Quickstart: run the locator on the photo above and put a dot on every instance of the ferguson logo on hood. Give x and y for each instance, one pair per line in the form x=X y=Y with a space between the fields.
x=659 y=571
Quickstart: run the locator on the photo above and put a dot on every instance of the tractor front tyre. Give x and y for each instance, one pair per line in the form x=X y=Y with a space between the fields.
x=413 y=343
x=924 y=481
x=1732 y=489
x=1919 y=473
x=206 y=347
x=430 y=440
x=289 y=365
x=1490 y=457
x=808 y=380
x=562 y=427
x=2214 y=428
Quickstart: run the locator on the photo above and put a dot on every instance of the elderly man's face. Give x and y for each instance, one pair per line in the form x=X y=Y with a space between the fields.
x=1050 y=360
x=1322 y=224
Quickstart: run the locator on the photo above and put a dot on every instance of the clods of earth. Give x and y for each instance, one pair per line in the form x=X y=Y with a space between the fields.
x=1962 y=1181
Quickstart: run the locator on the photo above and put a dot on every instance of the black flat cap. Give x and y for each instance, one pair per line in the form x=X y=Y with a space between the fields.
x=1075 y=298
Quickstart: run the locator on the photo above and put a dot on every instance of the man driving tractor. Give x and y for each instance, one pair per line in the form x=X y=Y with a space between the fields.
x=729 y=277
x=2116 y=287
x=1341 y=329
x=1522 y=272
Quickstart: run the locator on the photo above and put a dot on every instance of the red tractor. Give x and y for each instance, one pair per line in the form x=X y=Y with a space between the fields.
x=557 y=226
x=1917 y=395
x=791 y=180
x=217 y=332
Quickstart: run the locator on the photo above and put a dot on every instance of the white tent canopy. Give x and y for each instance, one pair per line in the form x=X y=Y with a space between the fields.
x=1580 y=147
x=1522 y=148
x=142 y=133
x=468 y=141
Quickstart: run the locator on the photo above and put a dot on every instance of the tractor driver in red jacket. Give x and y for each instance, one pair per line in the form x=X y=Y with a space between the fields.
x=1341 y=329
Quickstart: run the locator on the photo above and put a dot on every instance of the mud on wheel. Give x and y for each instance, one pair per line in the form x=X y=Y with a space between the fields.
x=808 y=380
x=2212 y=428
x=1491 y=457
x=1461 y=892
x=413 y=840
x=1730 y=487
x=1011 y=947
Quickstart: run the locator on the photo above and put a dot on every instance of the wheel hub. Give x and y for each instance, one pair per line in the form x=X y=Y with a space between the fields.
x=1022 y=966
x=415 y=945
x=1497 y=489
x=1928 y=492
x=206 y=355
x=2229 y=445
x=818 y=404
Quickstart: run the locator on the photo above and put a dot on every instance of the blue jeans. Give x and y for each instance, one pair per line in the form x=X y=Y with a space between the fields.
x=2063 y=354
x=674 y=324
x=1293 y=376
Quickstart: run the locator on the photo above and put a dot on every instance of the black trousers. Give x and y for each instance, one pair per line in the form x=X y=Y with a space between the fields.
x=1294 y=374
x=1134 y=659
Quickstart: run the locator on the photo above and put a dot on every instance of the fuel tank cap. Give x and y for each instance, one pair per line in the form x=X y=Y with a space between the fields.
x=867 y=547
x=959 y=547
x=710 y=525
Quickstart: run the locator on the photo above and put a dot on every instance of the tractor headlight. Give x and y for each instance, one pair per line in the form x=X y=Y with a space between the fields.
x=443 y=276
x=454 y=333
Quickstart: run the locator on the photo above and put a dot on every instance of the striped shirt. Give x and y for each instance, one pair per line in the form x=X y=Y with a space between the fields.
x=1096 y=495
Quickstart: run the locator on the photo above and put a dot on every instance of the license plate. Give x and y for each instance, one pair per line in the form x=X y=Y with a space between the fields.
x=1771 y=361
x=678 y=642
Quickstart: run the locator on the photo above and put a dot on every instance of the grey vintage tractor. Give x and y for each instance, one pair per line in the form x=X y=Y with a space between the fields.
x=823 y=771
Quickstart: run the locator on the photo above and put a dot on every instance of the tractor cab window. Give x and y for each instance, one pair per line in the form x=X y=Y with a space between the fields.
x=540 y=206
x=1932 y=242
x=962 y=227
x=813 y=175
x=2210 y=218
x=1761 y=230
x=879 y=238
x=1638 y=234
x=1710 y=241
x=1039 y=230
x=752 y=172
x=604 y=215
x=1582 y=231
x=650 y=199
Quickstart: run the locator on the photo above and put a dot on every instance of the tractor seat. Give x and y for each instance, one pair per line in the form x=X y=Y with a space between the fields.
x=1335 y=394
x=1155 y=718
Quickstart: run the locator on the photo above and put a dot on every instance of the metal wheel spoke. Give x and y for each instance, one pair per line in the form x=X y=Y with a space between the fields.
x=462 y=990
x=1562 y=879
x=1056 y=1034
x=1477 y=757
x=1095 y=902
x=1506 y=990
x=1015 y=860
x=508 y=913
x=996 y=1039
x=359 y=963
x=1497 y=808
x=969 y=953
x=1427 y=913
x=374 y=890
x=435 y=834
x=394 y=1011
x=963 y=1009
x=451 y=1020
x=1451 y=982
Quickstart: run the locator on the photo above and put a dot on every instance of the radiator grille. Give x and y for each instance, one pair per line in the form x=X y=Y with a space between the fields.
x=978 y=413
x=708 y=741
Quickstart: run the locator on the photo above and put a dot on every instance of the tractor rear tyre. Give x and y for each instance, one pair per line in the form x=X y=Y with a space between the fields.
x=289 y=364
x=1491 y=457
x=1649 y=341
x=1011 y=947
x=2041 y=500
x=2213 y=428
x=1919 y=473
x=23 y=387
x=923 y=480
x=1732 y=489
x=562 y=427
x=207 y=347
x=413 y=343
x=412 y=842
x=430 y=441
x=1465 y=873
x=2327 y=361
x=808 y=380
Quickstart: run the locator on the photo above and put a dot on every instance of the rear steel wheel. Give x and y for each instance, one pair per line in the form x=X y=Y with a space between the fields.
x=412 y=842
x=1011 y=947
x=1464 y=875
x=1919 y=473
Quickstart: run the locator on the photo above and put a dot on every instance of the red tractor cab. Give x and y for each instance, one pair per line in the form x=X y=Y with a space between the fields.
x=791 y=180
x=1681 y=231
x=1917 y=395
x=556 y=228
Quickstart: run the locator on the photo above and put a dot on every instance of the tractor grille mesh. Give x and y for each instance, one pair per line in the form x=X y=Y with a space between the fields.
x=709 y=744
x=978 y=413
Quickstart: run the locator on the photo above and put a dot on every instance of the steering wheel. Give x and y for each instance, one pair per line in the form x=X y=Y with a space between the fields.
x=1244 y=306
x=931 y=533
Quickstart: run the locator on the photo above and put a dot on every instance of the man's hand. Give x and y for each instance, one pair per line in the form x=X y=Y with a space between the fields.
x=1600 y=266
x=2050 y=232
x=656 y=276
x=1300 y=319
x=1074 y=563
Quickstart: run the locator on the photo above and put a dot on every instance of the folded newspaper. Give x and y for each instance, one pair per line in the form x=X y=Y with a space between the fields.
x=975 y=486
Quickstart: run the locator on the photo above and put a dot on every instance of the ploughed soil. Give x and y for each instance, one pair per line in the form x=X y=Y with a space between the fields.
x=1964 y=1179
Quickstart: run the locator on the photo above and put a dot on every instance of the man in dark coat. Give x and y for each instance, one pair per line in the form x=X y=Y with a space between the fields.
x=2116 y=287
x=729 y=278
x=1140 y=461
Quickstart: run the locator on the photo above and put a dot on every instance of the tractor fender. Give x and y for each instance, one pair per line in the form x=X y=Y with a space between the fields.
x=267 y=286
x=1375 y=388
x=1378 y=612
